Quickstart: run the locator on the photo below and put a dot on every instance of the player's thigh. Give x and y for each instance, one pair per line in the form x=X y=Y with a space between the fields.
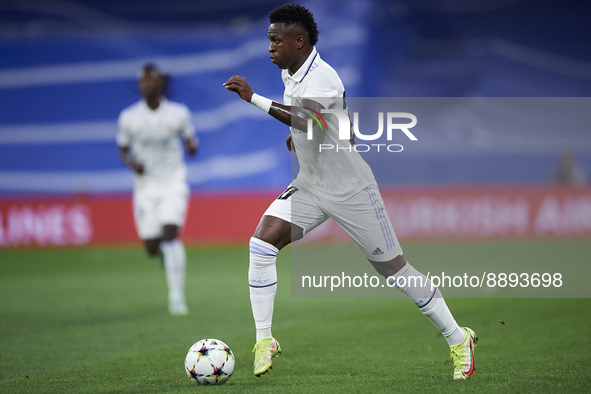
x=365 y=219
x=145 y=214
x=174 y=205
x=298 y=207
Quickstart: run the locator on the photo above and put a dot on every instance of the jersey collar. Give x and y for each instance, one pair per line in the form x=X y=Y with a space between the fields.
x=305 y=68
x=163 y=103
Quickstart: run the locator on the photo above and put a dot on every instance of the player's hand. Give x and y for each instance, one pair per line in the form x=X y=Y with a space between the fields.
x=290 y=145
x=127 y=157
x=138 y=168
x=239 y=85
x=192 y=146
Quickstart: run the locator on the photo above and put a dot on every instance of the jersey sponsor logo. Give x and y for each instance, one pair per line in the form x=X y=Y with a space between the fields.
x=287 y=193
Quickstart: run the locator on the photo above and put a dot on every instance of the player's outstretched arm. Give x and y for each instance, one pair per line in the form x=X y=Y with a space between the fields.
x=129 y=160
x=283 y=113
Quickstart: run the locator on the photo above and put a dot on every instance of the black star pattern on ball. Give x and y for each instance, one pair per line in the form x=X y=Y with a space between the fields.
x=194 y=374
x=218 y=371
x=204 y=351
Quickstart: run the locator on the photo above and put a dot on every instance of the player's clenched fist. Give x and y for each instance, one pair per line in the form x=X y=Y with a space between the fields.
x=239 y=85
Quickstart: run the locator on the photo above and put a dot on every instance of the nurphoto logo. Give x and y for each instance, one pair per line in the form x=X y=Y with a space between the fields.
x=347 y=129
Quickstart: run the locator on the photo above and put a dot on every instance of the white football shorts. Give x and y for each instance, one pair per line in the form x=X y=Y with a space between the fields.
x=362 y=216
x=154 y=207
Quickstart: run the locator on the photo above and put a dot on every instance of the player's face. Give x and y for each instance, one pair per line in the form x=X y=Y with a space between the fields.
x=283 y=47
x=150 y=84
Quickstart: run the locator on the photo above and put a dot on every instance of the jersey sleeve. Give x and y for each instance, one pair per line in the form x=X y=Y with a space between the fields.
x=322 y=85
x=123 y=137
x=187 y=129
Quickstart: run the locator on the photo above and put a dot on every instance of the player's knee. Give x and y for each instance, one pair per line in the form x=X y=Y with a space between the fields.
x=277 y=232
x=390 y=267
x=169 y=232
x=262 y=253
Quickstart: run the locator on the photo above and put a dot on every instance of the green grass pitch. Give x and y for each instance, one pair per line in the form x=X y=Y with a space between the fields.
x=95 y=321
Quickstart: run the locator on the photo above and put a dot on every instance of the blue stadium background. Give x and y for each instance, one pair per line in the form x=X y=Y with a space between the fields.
x=68 y=67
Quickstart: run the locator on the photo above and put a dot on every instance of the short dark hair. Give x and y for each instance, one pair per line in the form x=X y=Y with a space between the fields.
x=164 y=77
x=153 y=68
x=294 y=14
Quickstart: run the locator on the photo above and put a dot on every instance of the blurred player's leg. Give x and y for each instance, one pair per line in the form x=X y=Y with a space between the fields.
x=175 y=266
x=172 y=212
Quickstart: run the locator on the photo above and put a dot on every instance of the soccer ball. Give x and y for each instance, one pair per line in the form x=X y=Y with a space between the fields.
x=209 y=361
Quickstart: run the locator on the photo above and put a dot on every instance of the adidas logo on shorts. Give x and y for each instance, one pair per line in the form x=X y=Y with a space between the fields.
x=377 y=252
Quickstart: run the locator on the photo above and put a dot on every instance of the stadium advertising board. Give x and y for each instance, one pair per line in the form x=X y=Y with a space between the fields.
x=425 y=213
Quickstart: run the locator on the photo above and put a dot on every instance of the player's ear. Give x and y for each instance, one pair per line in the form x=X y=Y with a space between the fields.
x=300 y=42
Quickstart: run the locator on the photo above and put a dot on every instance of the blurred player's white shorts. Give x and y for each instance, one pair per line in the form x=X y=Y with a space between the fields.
x=362 y=216
x=154 y=207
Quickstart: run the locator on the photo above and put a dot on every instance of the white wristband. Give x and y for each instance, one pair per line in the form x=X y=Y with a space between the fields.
x=261 y=102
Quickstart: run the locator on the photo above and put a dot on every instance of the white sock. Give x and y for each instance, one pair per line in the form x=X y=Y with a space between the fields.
x=175 y=260
x=439 y=314
x=262 y=279
x=429 y=300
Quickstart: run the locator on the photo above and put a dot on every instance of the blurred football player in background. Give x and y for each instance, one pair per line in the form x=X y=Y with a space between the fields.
x=148 y=141
x=567 y=171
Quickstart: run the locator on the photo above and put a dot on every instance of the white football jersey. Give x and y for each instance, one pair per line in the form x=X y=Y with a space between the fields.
x=331 y=174
x=153 y=136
